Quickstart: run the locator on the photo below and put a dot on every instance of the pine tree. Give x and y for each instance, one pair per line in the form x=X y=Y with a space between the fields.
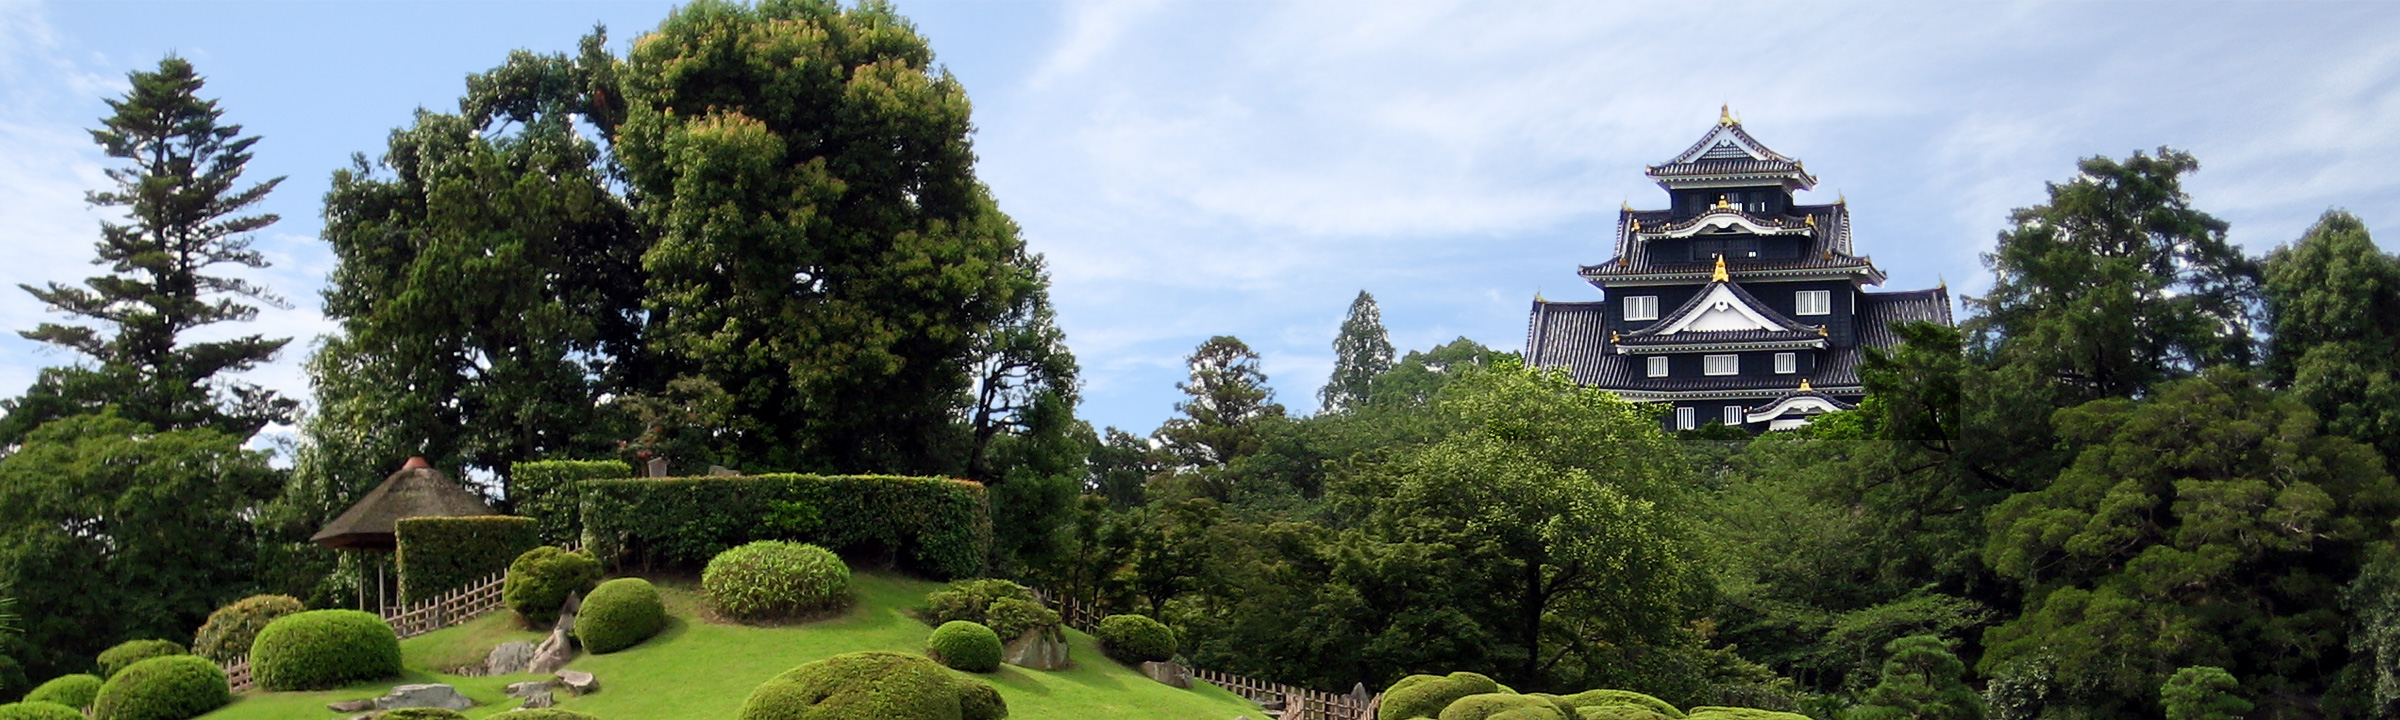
x=1362 y=351
x=1229 y=395
x=182 y=217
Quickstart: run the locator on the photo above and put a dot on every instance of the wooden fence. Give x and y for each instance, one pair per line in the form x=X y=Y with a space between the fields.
x=1298 y=703
x=237 y=674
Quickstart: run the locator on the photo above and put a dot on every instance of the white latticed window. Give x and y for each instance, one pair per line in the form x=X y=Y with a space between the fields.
x=1733 y=415
x=1815 y=302
x=1641 y=307
x=1658 y=366
x=1687 y=418
x=1787 y=363
x=1723 y=365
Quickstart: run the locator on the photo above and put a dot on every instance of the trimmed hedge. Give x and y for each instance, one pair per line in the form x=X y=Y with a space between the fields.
x=869 y=686
x=539 y=581
x=125 y=654
x=324 y=649
x=420 y=713
x=1485 y=706
x=1602 y=698
x=75 y=691
x=441 y=554
x=1424 y=696
x=619 y=614
x=230 y=630
x=549 y=713
x=1135 y=639
x=931 y=526
x=39 y=710
x=1007 y=608
x=547 y=492
x=1710 y=712
x=1618 y=712
x=978 y=700
x=174 y=687
x=963 y=645
x=771 y=579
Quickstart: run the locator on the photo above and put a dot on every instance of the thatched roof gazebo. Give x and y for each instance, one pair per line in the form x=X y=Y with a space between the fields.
x=372 y=525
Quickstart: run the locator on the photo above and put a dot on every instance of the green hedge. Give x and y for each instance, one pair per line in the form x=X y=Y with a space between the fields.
x=978 y=700
x=870 y=686
x=619 y=614
x=1007 y=608
x=229 y=630
x=932 y=526
x=546 y=491
x=539 y=581
x=775 y=579
x=324 y=649
x=1135 y=639
x=39 y=710
x=125 y=654
x=1486 y=706
x=963 y=645
x=1602 y=698
x=1708 y=712
x=175 y=687
x=75 y=691
x=441 y=554
x=1424 y=696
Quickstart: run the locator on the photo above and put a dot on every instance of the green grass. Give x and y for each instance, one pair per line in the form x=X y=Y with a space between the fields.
x=702 y=670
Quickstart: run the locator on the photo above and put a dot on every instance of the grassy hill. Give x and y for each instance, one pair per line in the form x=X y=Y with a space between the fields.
x=702 y=670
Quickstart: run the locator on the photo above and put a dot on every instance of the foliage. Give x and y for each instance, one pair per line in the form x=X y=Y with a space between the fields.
x=2372 y=601
x=858 y=686
x=930 y=525
x=1489 y=705
x=1007 y=608
x=962 y=645
x=771 y=579
x=39 y=710
x=441 y=554
x=978 y=700
x=1025 y=391
x=125 y=654
x=111 y=530
x=2203 y=693
x=549 y=713
x=1606 y=698
x=324 y=649
x=174 y=687
x=619 y=614
x=1362 y=352
x=2330 y=297
x=1121 y=467
x=1041 y=463
x=1227 y=398
x=230 y=630
x=547 y=491
x=1135 y=639
x=75 y=691
x=540 y=580
x=1424 y=696
x=179 y=196
x=2211 y=524
x=1921 y=680
x=1739 y=713
x=2117 y=284
x=1420 y=375
x=421 y=713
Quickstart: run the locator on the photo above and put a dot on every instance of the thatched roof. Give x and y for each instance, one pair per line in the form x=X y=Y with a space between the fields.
x=417 y=490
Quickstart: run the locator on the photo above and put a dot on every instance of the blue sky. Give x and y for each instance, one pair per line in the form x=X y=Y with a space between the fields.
x=1201 y=168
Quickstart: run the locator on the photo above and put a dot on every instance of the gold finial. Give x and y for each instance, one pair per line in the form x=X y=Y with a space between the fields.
x=1637 y=224
x=1612 y=336
x=1721 y=204
x=1537 y=294
x=1725 y=114
x=1812 y=220
x=1627 y=205
x=1804 y=386
x=1720 y=274
x=1945 y=284
x=1841 y=198
x=1821 y=331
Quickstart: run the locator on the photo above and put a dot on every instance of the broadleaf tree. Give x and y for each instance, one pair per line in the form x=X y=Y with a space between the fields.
x=2331 y=300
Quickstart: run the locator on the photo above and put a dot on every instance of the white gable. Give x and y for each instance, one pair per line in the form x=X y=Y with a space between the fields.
x=1722 y=144
x=1721 y=311
x=1803 y=404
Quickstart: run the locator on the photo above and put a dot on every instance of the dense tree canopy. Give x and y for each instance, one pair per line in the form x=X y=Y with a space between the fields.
x=2331 y=302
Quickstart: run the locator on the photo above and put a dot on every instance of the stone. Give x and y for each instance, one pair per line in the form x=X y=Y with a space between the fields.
x=434 y=695
x=538 y=700
x=508 y=658
x=1043 y=648
x=351 y=706
x=529 y=687
x=578 y=682
x=552 y=654
x=1169 y=673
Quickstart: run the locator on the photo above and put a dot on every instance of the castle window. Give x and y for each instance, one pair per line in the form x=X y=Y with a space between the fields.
x=1641 y=307
x=1658 y=366
x=1723 y=365
x=1815 y=302
x=1787 y=363
x=1687 y=418
x=1733 y=416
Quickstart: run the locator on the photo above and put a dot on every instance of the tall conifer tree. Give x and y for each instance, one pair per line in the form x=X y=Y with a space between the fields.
x=1360 y=353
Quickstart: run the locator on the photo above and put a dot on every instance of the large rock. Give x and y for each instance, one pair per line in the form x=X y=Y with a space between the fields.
x=1170 y=673
x=578 y=682
x=538 y=700
x=1039 y=649
x=508 y=658
x=528 y=688
x=552 y=654
x=433 y=695
x=351 y=706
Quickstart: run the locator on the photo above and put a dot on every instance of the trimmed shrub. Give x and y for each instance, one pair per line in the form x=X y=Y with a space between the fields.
x=1618 y=712
x=963 y=645
x=1134 y=639
x=933 y=526
x=1531 y=712
x=1591 y=698
x=75 y=691
x=774 y=579
x=547 y=492
x=1424 y=696
x=1007 y=608
x=539 y=581
x=125 y=654
x=441 y=554
x=174 y=687
x=549 y=713
x=858 y=686
x=229 y=630
x=1708 y=712
x=324 y=649
x=1485 y=706
x=421 y=713
x=619 y=614
x=978 y=700
x=39 y=710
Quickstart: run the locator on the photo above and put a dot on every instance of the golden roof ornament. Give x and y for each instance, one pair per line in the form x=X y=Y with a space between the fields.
x=1812 y=220
x=1725 y=114
x=1804 y=386
x=1637 y=225
x=1612 y=336
x=1821 y=332
x=1719 y=275
x=1721 y=204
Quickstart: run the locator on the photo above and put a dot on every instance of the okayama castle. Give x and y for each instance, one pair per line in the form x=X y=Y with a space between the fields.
x=1734 y=303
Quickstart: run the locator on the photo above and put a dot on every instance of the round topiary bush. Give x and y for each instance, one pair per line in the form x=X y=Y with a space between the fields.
x=125 y=654
x=230 y=630
x=1007 y=608
x=863 y=686
x=1135 y=639
x=1424 y=696
x=424 y=713
x=175 y=687
x=1618 y=712
x=75 y=691
x=39 y=710
x=771 y=579
x=1706 y=712
x=1603 y=698
x=965 y=646
x=619 y=614
x=544 y=714
x=978 y=700
x=323 y=649
x=539 y=581
x=1485 y=706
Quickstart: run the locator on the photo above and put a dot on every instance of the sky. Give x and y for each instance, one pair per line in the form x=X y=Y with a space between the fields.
x=1193 y=169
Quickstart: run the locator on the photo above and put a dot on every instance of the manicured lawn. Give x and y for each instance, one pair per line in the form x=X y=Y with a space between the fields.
x=701 y=670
